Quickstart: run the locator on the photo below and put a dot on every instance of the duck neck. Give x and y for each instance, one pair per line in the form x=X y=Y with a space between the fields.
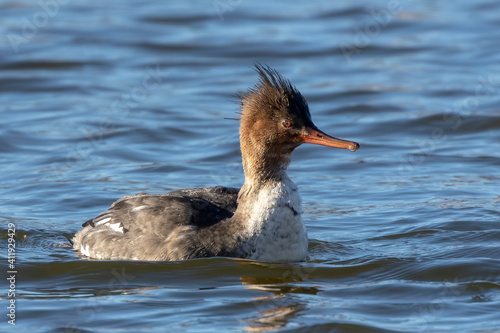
x=263 y=168
x=267 y=224
x=268 y=217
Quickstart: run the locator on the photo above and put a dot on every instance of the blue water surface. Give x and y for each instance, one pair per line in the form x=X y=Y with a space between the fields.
x=101 y=100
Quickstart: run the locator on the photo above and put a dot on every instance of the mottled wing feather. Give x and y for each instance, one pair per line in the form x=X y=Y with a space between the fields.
x=224 y=197
x=160 y=213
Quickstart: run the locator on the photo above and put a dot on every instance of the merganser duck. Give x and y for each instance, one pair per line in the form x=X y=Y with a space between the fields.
x=261 y=221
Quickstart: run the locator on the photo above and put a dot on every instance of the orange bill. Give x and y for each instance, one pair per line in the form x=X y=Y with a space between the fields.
x=317 y=137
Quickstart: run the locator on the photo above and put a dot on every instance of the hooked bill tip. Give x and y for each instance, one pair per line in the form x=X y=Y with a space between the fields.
x=354 y=146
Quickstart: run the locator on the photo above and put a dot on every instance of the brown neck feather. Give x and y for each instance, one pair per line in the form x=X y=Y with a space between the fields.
x=261 y=163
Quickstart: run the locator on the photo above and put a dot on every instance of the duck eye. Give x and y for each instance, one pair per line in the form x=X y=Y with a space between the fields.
x=287 y=123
